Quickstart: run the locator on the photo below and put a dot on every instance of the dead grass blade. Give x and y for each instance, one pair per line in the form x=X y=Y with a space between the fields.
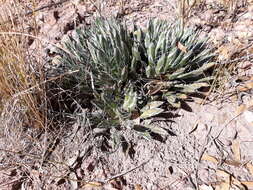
x=17 y=72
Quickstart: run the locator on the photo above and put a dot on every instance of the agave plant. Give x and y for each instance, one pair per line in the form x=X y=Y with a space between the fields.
x=103 y=56
x=132 y=74
x=174 y=60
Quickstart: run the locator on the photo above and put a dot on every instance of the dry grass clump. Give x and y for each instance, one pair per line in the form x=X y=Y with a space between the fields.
x=19 y=82
x=22 y=98
x=29 y=158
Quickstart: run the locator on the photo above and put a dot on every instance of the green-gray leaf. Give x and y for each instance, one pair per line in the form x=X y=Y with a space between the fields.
x=151 y=105
x=151 y=113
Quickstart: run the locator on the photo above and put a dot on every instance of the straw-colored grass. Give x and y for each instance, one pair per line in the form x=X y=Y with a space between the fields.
x=17 y=70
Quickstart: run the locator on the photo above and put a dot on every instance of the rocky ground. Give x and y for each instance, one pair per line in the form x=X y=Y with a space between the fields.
x=210 y=141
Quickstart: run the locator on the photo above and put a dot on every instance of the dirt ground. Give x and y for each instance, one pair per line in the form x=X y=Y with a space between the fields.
x=210 y=142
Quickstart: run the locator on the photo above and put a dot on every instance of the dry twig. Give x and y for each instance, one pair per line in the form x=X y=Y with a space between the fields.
x=35 y=10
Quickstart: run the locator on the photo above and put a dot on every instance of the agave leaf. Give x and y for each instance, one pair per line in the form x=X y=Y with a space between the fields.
x=191 y=88
x=92 y=51
x=172 y=99
x=147 y=40
x=160 y=64
x=191 y=38
x=124 y=74
x=146 y=122
x=157 y=130
x=170 y=59
x=151 y=26
x=177 y=60
x=141 y=128
x=136 y=53
x=148 y=71
x=160 y=43
x=184 y=60
x=146 y=135
x=138 y=34
x=168 y=84
x=151 y=112
x=176 y=104
x=204 y=59
x=151 y=53
x=133 y=65
x=156 y=25
x=199 y=45
x=116 y=56
x=203 y=55
x=130 y=101
x=151 y=105
x=181 y=96
x=206 y=79
x=143 y=131
x=197 y=72
x=175 y=74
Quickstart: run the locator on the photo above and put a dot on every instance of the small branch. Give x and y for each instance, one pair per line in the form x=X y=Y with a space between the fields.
x=36 y=10
x=231 y=120
x=44 y=7
x=126 y=172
